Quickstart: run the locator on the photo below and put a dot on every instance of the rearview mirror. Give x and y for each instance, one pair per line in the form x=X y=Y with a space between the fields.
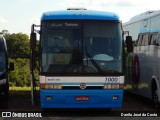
x=33 y=38
x=129 y=44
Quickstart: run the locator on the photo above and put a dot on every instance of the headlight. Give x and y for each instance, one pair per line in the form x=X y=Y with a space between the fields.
x=113 y=86
x=51 y=86
x=107 y=86
x=57 y=86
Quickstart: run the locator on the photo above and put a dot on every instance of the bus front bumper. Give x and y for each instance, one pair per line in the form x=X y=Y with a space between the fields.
x=81 y=98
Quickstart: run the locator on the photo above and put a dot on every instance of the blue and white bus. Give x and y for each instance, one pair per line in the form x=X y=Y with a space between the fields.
x=80 y=58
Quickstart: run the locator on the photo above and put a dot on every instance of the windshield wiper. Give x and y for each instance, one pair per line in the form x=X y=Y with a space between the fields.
x=94 y=62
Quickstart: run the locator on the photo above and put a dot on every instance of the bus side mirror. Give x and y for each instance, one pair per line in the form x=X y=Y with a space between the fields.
x=129 y=44
x=33 y=38
x=11 y=66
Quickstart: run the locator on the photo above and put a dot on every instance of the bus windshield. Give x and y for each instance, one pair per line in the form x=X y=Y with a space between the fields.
x=2 y=61
x=81 y=46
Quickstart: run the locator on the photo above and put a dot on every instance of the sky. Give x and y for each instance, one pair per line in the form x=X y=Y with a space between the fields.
x=18 y=15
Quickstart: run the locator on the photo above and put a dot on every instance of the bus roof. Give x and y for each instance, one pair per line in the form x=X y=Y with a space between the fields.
x=79 y=15
x=143 y=16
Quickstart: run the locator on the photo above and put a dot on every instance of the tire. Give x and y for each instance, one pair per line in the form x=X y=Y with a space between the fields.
x=4 y=101
x=4 y=96
x=156 y=103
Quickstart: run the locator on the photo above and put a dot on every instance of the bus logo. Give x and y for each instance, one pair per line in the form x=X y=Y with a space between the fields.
x=83 y=86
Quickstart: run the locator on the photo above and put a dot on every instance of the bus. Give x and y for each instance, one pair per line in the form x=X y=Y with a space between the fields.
x=4 y=82
x=80 y=59
x=142 y=23
x=142 y=63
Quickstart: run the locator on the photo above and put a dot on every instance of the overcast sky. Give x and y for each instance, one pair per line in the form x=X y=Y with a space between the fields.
x=18 y=15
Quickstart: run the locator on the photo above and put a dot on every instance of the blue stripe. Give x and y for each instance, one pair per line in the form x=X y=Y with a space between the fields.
x=67 y=98
x=79 y=14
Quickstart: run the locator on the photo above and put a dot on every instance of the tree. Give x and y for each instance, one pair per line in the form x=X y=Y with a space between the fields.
x=21 y=74
x=18 y=45
x=19 y=53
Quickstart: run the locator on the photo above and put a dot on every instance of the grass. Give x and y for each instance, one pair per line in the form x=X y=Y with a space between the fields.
x=21 y=88
x=21 y=92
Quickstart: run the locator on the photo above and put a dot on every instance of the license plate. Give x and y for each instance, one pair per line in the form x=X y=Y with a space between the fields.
x=82 y=98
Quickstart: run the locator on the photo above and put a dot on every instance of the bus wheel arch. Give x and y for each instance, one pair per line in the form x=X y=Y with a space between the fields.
x=155 y=93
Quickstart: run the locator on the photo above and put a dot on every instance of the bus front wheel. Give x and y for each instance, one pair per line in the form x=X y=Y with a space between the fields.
x=155 y=98
x=4 y=101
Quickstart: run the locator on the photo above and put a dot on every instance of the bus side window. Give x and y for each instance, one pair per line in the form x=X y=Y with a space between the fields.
x=140 y=37
x=142 y=40
x=154 y=39
x=150 y=39
x=158 y=40
x=138 y=40
x=146 y=39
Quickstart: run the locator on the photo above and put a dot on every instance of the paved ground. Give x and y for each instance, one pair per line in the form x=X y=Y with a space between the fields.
x=20 y=102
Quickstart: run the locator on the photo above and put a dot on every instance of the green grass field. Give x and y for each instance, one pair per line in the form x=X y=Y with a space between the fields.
x=21 y=93
x=21 y=88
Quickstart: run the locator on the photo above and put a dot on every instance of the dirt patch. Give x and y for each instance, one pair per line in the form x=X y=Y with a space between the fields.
x=21 y=101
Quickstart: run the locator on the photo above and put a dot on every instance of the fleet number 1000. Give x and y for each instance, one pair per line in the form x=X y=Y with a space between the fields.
x=112 y=79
